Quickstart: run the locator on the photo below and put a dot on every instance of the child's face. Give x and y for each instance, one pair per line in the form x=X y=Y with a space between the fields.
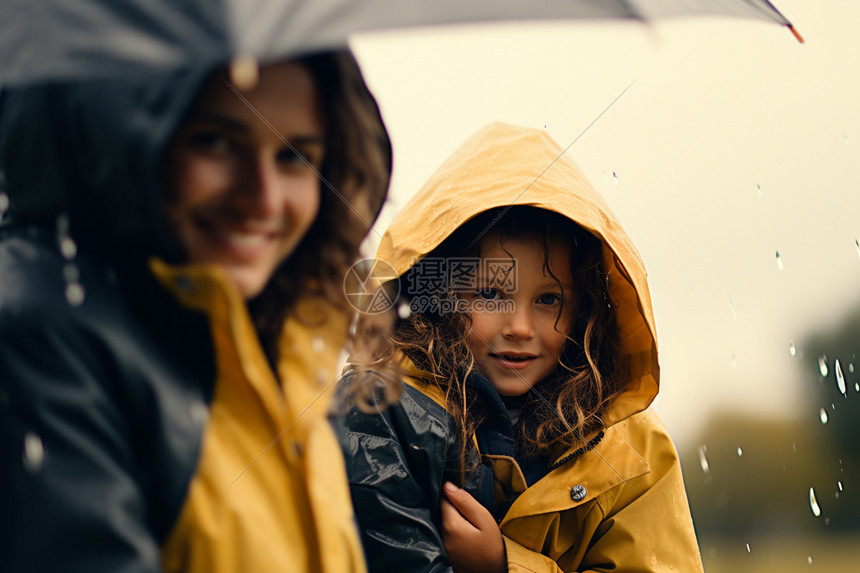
x=520 y=345
x=237 y=195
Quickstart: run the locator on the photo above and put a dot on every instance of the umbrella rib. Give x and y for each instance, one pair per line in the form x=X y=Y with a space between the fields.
x=477 y=239
x=293 y=149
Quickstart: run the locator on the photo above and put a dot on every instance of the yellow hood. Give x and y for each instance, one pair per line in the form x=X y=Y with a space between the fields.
x=509 y=165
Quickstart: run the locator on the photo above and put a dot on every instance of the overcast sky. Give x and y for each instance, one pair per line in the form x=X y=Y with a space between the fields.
x=734 y=142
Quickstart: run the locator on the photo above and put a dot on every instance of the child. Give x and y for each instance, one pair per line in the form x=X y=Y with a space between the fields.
x=530 y=360
x=172 y=314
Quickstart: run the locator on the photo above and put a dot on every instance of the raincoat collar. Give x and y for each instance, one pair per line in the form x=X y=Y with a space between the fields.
x=504 y=165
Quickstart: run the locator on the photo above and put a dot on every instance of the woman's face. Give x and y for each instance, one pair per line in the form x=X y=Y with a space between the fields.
x=242 y=184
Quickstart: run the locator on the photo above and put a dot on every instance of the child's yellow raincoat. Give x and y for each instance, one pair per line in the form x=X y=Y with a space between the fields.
x=622 y=506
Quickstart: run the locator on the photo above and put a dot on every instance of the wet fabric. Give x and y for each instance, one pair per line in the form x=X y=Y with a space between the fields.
x=620 y=506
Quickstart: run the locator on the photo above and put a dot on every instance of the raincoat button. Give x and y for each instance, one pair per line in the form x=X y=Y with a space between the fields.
x=577 y=493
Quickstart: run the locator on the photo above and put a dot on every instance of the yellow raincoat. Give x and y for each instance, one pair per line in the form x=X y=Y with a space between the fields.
x=622 y=506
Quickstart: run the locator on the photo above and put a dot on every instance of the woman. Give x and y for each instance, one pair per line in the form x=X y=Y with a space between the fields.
x=172 y=314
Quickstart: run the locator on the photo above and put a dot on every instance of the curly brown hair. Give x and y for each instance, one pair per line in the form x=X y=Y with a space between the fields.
x=353 y=182
x=566 y=407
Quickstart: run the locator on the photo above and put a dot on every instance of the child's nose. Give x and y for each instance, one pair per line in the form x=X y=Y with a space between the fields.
x=519 y=325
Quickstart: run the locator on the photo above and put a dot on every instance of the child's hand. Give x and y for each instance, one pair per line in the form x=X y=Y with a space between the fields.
x=472 y=538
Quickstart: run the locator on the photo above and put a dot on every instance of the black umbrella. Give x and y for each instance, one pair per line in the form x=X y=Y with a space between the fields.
x=82 y=39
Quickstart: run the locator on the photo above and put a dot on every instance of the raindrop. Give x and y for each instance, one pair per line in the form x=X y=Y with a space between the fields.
x=809 y=560
x=199 y=411
x=822 y=365
x=792 y=349
x=826 y=522
x=857 y=386
x=748 y=547
x=71 y=273
x=403 y=310
x=615 y=177
x=703 y=459
x=34 y=452
x=813 y=503
x=322 y=377
x=839 y=485
x=794 y=447
x=75 y=294
x=63 y=225
x=851 y=367
x=779 y=265
x=740 y=451
x=823 y=415
x=318 y=344
x=840 y=379
x=758 y=189
x=857 y=244
x=68 y=248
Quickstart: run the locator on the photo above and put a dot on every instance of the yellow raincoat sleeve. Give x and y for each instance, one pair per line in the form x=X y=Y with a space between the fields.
x=642 y=524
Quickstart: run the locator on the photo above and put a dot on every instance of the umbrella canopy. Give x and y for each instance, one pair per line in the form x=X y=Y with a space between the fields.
x=51 y=40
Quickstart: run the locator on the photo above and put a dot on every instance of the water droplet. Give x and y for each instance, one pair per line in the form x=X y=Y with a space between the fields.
x=404 y=311
x=792 y=349
x=71 y=273
x=703 y=459
x=740 y=451
x=199 y=411
x=840 y=379
x=857 y=244
x=615 y=177
x=809 y=560
x=857 y=386
x=822 y=366
x=75 y=294
x=318 y=344
x=839 y=485
x=63 y=225
x=758 y=189
x=34 y=452
x=823 y=415
x=851 y=367
x=68 y=248
x=779 y=265
x=826 y=522
x=794 y=447
x=813 y=503
x=748 y=547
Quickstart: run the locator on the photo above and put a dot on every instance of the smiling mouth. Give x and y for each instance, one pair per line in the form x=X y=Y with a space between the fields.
x=514 y=360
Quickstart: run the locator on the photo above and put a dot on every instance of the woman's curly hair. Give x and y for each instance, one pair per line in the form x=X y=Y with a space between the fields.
x=353 y=181
x=566 y=407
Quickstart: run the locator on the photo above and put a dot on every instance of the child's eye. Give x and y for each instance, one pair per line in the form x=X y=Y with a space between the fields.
x=549 y=299
x=301 y=156
x=488 y=293
x=290 y=155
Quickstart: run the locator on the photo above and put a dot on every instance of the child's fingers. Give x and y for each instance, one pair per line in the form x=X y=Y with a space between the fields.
x=468 y=507
x=454 y=524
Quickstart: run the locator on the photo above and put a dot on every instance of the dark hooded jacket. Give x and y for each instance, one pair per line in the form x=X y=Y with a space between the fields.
x=616 y=504
x=142 y=428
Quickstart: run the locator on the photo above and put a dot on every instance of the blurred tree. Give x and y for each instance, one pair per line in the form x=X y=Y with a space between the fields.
x=750 y=476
